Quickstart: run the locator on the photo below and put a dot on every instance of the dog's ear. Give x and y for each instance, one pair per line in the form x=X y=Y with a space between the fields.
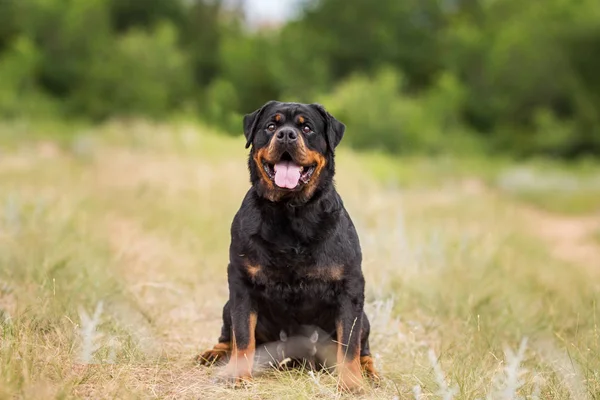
x=250 y=122
x=335 y=128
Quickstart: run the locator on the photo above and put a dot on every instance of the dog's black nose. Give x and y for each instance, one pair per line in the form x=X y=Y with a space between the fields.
x=287 y=136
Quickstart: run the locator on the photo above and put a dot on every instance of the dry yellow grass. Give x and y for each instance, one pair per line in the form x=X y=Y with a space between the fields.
x=137 y=217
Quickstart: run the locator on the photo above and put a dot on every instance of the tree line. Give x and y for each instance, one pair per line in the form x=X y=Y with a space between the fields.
x=427 y=76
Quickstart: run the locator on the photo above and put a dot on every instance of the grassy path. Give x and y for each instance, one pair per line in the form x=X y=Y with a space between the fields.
x=570 y=239
x=143 y=227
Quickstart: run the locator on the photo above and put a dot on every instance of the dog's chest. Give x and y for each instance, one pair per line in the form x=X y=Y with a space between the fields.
x=296 y=284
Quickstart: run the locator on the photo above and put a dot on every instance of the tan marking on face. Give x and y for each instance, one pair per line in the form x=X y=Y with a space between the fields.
x=307 y=156
x=260 y=156
x=301 y=119
x=303 y=155
x=278 y=117
x=266 y=154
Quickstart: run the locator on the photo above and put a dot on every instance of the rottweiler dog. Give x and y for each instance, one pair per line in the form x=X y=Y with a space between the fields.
x=295 y=257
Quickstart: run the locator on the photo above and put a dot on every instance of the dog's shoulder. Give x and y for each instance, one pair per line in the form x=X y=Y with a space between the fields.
x=247 y=219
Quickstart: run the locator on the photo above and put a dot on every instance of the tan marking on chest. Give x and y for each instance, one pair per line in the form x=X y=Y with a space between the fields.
x=253 y=270
x=331 y=273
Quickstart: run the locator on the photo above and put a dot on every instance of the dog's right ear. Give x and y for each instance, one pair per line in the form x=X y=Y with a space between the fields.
x=250 y=122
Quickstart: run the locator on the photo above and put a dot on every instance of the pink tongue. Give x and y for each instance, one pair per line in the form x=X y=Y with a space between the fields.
x=287 y=174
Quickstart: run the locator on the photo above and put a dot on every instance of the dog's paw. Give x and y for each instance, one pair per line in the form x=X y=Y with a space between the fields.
x=350 y=379
x=237 y=372
x=235 y=375
x=368 y=368
x=217 y=354
x=236 y=381
x=351 y=386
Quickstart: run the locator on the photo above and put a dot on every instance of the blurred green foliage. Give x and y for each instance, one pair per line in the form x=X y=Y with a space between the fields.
x=385 y=116
x=143 y=73
x=503 y=76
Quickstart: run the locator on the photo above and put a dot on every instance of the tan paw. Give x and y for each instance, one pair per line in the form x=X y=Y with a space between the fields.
x=217 y=354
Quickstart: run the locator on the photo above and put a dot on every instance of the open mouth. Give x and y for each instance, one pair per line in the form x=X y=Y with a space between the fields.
x=287 y=174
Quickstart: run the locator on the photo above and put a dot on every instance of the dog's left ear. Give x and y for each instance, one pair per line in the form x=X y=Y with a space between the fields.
x=250 y=122
x=335 y=128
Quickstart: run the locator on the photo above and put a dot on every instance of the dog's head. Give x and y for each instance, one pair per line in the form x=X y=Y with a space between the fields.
x=292 y=155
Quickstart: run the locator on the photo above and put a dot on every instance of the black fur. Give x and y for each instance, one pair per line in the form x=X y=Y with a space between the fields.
x=303 y=244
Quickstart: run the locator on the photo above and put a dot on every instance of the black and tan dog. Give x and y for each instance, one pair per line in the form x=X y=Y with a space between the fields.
x=295 y=257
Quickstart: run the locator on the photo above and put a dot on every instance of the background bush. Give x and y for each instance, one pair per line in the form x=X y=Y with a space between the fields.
x=19 y=93
x=382 y=115
x=144 y=73
x=414 y=76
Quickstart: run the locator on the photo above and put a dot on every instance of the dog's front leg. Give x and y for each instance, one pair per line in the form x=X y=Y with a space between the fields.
x=348 y=329
x=243 y=326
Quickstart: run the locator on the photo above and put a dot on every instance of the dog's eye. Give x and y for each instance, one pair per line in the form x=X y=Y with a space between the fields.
x=271 y=127
x=306 y=129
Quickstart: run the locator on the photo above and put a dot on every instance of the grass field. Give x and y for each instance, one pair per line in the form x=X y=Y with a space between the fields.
x=114 y=244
